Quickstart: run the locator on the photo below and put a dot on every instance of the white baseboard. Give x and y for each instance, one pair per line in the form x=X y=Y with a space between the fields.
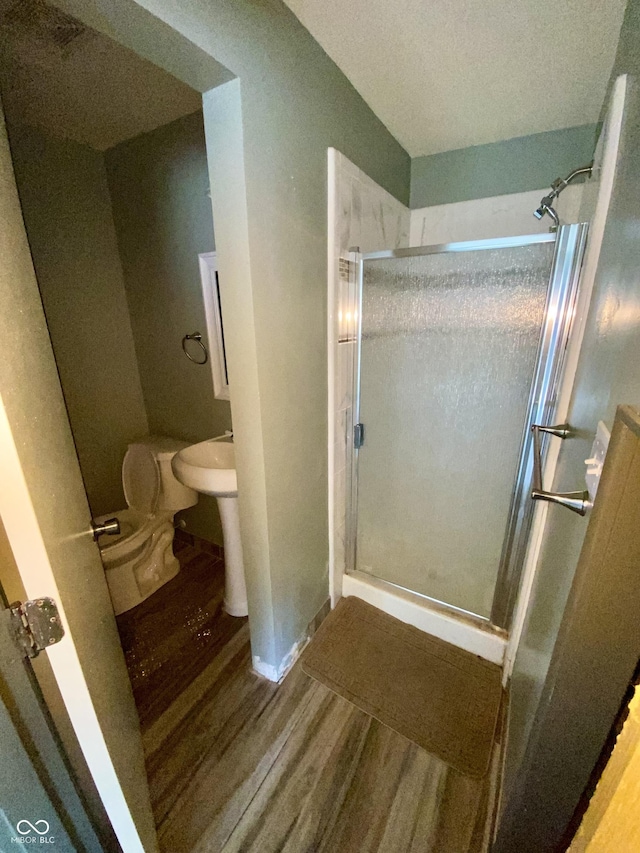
x=414 y=610
x=277 y=673
x=265 y=670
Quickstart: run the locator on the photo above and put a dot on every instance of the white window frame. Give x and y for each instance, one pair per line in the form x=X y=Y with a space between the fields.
x=211 y=297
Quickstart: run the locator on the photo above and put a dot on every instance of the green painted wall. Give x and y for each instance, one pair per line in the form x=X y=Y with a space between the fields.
x=293 y=104
x=513 y=166
x=67 y=211
x=162 y=214
x=608 y=375
x=118 y=348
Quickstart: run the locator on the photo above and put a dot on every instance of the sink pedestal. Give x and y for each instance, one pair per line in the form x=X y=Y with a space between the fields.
x=235 y=590
x=210 y=467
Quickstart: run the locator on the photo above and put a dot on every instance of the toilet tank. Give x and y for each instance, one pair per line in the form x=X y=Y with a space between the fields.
x=173 y=495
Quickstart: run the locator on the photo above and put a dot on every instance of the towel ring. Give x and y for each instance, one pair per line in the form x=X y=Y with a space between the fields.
x=197 y=337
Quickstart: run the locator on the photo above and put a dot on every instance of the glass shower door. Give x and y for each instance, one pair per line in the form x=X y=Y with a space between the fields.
x=449 y=349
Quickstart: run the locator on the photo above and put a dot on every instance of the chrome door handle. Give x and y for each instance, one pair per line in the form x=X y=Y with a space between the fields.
x=110 y=527
x=575 y=501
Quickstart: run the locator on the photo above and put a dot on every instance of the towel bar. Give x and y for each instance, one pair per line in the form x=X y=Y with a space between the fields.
x=575 y=501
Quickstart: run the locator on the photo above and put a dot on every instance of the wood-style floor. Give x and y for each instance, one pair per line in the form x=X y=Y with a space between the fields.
x=236 y=763
x=176 y=632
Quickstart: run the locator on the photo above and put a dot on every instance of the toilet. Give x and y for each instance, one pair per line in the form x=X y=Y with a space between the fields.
x=140 y=559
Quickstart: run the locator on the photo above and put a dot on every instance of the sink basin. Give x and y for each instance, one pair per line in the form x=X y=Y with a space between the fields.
x=208 y=467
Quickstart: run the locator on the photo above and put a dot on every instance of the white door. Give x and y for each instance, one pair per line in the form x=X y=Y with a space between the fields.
x=45 y=512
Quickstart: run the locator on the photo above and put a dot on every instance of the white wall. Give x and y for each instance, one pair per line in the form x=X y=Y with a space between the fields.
x=484 y=218
x=360 y=214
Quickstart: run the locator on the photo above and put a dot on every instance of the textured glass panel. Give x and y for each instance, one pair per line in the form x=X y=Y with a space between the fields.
x=449 y=345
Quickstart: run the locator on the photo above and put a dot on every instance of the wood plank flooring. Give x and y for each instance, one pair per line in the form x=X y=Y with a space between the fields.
x=236 y=763
x=173 y=635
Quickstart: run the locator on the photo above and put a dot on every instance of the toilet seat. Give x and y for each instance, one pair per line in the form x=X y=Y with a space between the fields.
x=141 y=484
x=140 y=479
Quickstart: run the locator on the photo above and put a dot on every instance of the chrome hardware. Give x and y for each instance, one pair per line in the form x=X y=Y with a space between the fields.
x=556 y=188
x=358 y=436
x=197 y=337
x=546 y=208
x=560 y=430
x=110 y=527
x=575 y=501
x=36 y=625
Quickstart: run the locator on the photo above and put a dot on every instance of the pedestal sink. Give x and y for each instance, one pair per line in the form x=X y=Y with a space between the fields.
x=209 y=467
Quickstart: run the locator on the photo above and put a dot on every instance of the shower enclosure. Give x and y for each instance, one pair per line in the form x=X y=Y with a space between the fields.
x=459 y=351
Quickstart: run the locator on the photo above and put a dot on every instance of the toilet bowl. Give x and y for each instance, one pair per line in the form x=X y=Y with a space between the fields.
x=140 y=559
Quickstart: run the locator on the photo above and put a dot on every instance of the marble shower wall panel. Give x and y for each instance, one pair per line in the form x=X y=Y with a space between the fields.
x=360 y=214
x=486 y=218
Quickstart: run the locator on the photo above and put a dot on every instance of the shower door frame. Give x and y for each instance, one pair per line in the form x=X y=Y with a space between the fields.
x=562 y=293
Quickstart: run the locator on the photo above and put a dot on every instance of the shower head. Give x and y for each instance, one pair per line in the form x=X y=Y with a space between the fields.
x=556 y=188
x=546 y=209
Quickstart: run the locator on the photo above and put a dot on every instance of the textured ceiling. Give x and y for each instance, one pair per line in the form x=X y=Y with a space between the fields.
x=74 y=83
x=446 y=74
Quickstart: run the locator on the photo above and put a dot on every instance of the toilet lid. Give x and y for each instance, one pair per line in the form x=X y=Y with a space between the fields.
x=140 y=479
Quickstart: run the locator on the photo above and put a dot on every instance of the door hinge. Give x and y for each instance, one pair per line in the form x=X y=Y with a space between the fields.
x=358 y=436
x=36 y=625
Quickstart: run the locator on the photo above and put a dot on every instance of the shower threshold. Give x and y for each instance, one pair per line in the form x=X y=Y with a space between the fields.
x=452 y=624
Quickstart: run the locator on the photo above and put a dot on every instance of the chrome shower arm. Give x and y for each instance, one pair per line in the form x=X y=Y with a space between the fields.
x=556 y=188
x=560 y=183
